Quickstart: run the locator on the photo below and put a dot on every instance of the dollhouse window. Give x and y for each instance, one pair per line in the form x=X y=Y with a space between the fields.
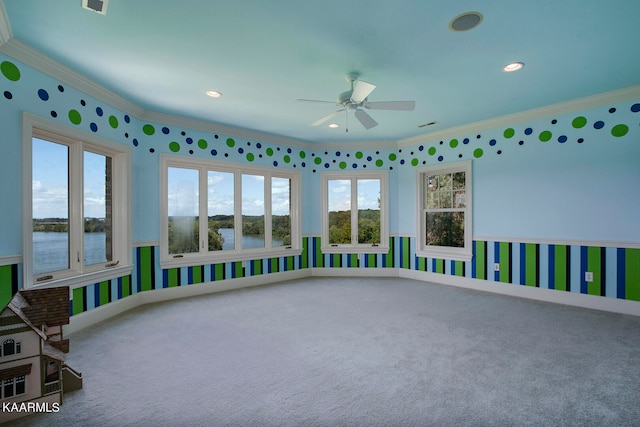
x=10 y=347
x=13 y=387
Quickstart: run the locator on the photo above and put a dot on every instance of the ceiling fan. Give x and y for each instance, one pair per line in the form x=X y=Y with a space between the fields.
x=356 y=99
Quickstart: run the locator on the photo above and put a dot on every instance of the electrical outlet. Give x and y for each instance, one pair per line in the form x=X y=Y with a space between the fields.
x=588 y=276
x=496 y=267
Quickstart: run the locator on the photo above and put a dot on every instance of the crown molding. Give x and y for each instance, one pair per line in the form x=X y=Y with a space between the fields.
x=5 y=27
x=585 y=103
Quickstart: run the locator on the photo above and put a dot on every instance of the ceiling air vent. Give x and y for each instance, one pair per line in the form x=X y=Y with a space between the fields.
x=98 y=6
x=427 y=124
x=465 y=21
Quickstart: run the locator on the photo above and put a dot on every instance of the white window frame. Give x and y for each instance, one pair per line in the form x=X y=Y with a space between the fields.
x=78 y=274
x=204 y=256
x=354 y=247
x=445 y=252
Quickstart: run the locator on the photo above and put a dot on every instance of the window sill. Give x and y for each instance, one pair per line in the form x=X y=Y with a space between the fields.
x=444 y=254
x=86 y=278
x=188 y=260
x=354 y=249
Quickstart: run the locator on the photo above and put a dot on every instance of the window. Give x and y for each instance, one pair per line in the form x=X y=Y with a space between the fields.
x=10 y=347
x=444 y=211
x=214 y=211
x=13 y=387
x=355 y=210
x=77 y=205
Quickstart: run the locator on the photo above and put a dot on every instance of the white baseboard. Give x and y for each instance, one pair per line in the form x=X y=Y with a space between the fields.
x=99 y=314
x=593 y=302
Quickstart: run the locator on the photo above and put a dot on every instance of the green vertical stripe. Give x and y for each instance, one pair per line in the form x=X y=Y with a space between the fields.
x=145 y=268
x=632 y=274
x=390 y=254
x=481 y=258
x=77 y=303
x=104 y=292
x=173 y=277
x=290 y=263
x=305 y=253
x=335 y=259
x=218 y=271
x=6 y=285
x=560 y=265
x=459 y=268
x=440 y=266
x=238 y=267
x=319 y=257
x=422 y=264
x=505 y=256
x=274 y=265
x=531 y=261
x=594 y=265
x=196 y=273
x=126 y=286
x=406 y=262
x=257 y=266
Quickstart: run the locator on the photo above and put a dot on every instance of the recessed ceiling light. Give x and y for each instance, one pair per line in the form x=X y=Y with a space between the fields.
x=334 y=125
x=465 y=21
x=214 y=93
x=514 y=66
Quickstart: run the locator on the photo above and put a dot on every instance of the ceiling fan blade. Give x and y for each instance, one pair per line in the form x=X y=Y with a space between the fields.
x=317 y=101
x=325 y=118
x=366 y=120
x=361 y=91
x=391 y=105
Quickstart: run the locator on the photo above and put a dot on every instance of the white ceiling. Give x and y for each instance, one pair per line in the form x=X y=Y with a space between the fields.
x=162 y=55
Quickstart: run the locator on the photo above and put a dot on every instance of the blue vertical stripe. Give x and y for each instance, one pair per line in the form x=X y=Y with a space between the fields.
x=496 y=260
x=583 y=268
x=621 y=267
x=523 y=262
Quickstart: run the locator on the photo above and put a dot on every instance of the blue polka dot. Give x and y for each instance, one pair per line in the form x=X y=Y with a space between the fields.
x=421 y=147
x=326 y=165
x=189 y=140
x=337 y=154
x=240 y=150
x=599 y=124
x=369 y=158
x=94 y=127
x=135 y=142
x=275 y=163
x=635 y=108
x=289 y=150
x=214 y=152
x=165 y=130
x=355 y=165
x=8 y=94
x=440 y=158
x=304 y=165
x=258 y=145
x=562 y=139
x=99 y=111
x=492 y=142
x=528 y=131
x=43 y=94
x=402 y=161
x=465 y=141
x=127 y=119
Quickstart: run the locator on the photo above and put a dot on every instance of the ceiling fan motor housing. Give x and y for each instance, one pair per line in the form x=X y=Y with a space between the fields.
x=345 y=98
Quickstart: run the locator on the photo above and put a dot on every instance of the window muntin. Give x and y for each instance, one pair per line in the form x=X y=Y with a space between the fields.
x=355 y=212
x=248 y=211
x=59 y=192
x=444 y=224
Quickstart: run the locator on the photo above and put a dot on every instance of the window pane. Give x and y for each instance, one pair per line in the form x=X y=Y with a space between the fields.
x=339 y=201
x=252 y=211
x=97 y=209
x=445 y=199
x=431 y=187
x=460 y=199
x=368 y=211
x=280 y=212
x=183 y=210
x=20 y=385
x=458 y=181
x=50 y=206
x=445 y=229
x=220 y=210
x=445 y=182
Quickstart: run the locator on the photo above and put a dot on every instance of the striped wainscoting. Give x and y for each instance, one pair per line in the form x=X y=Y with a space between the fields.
x=9 y=282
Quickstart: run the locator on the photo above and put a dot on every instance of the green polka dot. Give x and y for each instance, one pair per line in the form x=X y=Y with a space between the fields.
x=230 y=143
x=359 y=155
x=509 y=132
x=303 y=154
x=579 y=122
x=317 y=160
x=432 y=151
x=414 y=162
x=75 y=117
x=545 y=136
x=619 y=130
x=453 y=143
x=250 y=157
x=379 y=163
x=10 y=71
x=286 y=159
x=174 y=146
x=342 y=165
x=113 y=122
x=203 y=143
x=269 y=151
x=392 y=157
x=148 y=129
x=477 y=153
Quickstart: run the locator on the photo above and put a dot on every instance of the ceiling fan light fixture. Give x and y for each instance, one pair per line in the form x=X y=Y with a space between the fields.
x=214 y=93
x=514 y=66
x=334 y=125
